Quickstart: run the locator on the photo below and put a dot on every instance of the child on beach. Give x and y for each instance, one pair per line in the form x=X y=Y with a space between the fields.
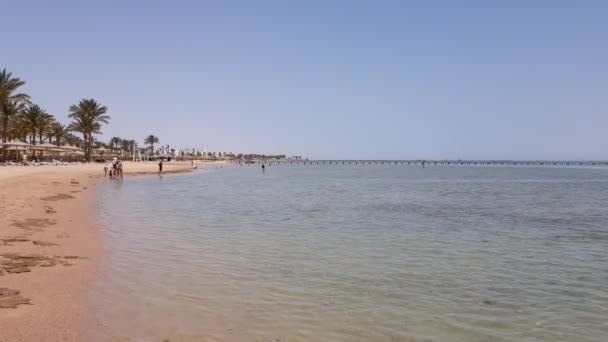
x=105 y=170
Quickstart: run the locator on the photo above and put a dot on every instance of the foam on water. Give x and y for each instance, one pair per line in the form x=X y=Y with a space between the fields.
x=357 y=253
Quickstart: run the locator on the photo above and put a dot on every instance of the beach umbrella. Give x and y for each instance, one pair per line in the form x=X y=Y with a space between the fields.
x=17 y=143
x=15 y=148
x=70 y=147
x=101 y=150
x=61 y=149
x=72 y=150
x=44 y=146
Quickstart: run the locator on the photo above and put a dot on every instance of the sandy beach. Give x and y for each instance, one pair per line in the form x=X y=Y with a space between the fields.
x=50 y=248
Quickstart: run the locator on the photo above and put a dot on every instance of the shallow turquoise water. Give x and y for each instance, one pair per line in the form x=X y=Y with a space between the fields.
x=357 y=253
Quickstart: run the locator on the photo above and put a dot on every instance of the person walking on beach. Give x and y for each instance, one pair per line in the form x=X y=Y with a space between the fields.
x=160 y=166
x=105 y=170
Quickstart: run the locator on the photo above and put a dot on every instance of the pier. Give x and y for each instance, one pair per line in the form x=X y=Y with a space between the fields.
x=425 y=163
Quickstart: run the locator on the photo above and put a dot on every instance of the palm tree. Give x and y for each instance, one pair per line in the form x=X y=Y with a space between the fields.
x=9 y=85
x=10 y=111
x=44 y=125
x=87 y=116
x=125 y=146
x=17 y=127
x=31 y=117
x=151 y=139
x=58 y=132
x=10 y=102
x=114 y=142
x=96 y=143
x=132 y=146
x=34 y=117
x=73 y=140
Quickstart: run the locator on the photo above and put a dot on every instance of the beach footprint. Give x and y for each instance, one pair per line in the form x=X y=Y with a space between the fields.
x=57 y=197
x=9 y=298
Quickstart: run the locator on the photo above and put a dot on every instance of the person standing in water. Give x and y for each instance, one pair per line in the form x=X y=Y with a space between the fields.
x=160 y=166
x=263 y=168
x=115 y=167
x=119 y=168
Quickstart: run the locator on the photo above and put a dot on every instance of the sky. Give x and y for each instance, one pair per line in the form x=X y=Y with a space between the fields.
x=326 y=79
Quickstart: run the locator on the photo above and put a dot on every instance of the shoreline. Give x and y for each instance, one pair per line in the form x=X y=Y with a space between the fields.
x=51 y=248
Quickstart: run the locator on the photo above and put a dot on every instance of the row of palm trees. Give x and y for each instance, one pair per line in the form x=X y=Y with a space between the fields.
x=126 y=147
x=121 y=147
x=22 y=119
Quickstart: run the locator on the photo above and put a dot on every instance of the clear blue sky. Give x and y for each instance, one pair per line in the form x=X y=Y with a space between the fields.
x=327 y=79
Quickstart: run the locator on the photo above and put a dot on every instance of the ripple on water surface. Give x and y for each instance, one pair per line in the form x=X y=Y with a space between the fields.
x=357 y=253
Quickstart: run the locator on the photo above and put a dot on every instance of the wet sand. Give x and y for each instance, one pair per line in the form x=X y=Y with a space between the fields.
x=50 y=248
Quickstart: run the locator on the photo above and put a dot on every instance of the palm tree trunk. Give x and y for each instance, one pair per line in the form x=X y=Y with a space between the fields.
x=90 y=146
x=33 y=139
x=41 y=140
x=84 y=145
x=4 y=132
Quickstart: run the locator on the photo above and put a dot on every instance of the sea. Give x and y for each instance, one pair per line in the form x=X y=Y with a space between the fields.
x=356 y=253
